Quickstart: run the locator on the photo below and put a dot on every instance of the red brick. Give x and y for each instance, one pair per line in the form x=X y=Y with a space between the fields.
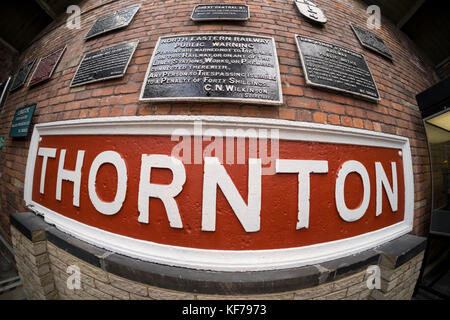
x=320 y=117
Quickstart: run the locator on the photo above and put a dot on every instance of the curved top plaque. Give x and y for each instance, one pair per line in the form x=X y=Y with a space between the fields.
x=311 y=11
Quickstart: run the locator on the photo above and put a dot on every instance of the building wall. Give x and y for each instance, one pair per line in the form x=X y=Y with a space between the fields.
x=46 y=273
x=398 y=82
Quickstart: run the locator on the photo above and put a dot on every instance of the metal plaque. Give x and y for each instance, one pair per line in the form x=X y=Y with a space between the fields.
x=371 y=41
x=106 y=63
x=214 y=67
x=113 y=21
x=22 y=75
x=204 y=12
x=311 y=11
x=334 y=67
x=21 y=121
x=45 y=67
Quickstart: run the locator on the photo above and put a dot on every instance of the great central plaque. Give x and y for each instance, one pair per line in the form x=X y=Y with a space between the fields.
x=214 y=67
x=45 y=67
x=113 y=21
x=106 y=63
x=371 y=41
x=328 y=65
x=22 y=75
x=205 y=12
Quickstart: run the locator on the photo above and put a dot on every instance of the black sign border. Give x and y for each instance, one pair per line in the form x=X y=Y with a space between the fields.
x=53 y=70
x=215 y=99
x=389 y=56
x=106 y=78
x=221 y=19
x=113 y=29
x=312 y=83
x=12 y=88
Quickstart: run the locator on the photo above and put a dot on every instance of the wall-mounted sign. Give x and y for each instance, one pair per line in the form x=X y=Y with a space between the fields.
x=116 y=20
x=208 y=12
x=221 y=193
x=22 y=121
x=214 y=67
x=22 y=75
x=331 y=66
x=2 y=142
x=46 y=66
x=371 y=41
x=311 y=11
x=107 y=63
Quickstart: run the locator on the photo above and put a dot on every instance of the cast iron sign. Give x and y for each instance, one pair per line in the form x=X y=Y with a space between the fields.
x=331 y=66
x=205 y=12
x=214 y=67
x=311 y=11
x=113 y=21
x=221 y=193
x=22 y=75
x=21 y=121
x=371 y=41
x=45 y=67
x=107 y=63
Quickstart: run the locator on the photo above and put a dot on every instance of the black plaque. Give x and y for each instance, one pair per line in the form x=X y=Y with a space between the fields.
x=22 y=75
x=328 y=65
x=208 y=12
x=113 y=21
x=371 y=41
x=106 y=63
x=214 y=67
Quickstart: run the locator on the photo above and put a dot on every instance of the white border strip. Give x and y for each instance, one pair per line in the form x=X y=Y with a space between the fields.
x=223 y=260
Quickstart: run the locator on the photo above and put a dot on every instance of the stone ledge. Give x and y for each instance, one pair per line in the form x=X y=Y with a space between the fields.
x=395 y=253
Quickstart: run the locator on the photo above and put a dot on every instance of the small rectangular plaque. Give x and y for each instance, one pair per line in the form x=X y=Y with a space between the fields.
x=371 y=41
x=214 y=67
x=113 y=21
x=106 y=63
x=45 y=67
x=328 y=65
x=205 y=12
x=21 y=121
x=22 y=75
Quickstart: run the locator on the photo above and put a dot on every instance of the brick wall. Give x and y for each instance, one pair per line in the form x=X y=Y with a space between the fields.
x=43 y=268
x=398 y=82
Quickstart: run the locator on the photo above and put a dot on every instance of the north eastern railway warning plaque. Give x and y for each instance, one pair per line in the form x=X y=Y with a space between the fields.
x=331 y=66
x=214 y=67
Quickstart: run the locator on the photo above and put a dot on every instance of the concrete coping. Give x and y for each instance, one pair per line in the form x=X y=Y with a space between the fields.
x=392 y=254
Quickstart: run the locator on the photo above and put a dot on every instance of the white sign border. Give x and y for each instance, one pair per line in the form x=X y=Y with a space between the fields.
x=223 y=260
